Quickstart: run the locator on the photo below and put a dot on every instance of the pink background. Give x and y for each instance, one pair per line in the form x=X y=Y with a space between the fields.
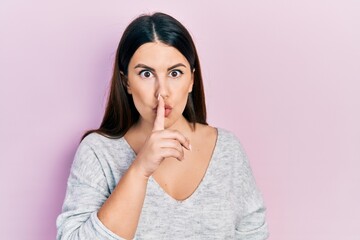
x=283 y=75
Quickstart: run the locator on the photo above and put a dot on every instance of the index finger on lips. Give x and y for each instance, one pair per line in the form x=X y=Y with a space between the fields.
x=159 y=123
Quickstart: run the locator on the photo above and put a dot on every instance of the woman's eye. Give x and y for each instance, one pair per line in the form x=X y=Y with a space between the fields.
x=175 y=73
x=145 y=74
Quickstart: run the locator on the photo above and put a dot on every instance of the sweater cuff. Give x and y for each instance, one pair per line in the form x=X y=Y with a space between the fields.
x=101 y=229
x=260 y=233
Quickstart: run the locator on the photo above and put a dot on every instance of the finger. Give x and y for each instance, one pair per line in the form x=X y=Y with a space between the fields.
x=160 y=119
x=171 y=143
x=176 y=135
x=171 y=152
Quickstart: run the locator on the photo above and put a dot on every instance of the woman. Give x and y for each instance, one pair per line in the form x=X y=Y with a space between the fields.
x=155 y=169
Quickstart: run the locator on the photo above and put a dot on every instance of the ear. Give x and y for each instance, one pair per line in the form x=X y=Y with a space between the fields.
x=125 y=82
x=192 y=81
x=128 y=88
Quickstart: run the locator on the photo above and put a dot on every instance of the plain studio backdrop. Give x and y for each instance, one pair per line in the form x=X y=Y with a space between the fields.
x=284 y=76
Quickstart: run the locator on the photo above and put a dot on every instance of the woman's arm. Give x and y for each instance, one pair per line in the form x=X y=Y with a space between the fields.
x=117 y=212
x=90 y=211
x=251 y=218
x=127 y=199
x=121 y=211
x=87 y=190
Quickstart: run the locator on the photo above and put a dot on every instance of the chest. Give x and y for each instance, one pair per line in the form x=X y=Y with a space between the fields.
x=180 y=179
x=207 y=214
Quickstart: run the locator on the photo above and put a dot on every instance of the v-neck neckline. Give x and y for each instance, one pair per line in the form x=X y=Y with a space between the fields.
x=202 y=182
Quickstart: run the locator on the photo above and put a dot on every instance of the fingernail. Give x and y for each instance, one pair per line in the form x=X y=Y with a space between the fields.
x=190 y=147
x=158 y=98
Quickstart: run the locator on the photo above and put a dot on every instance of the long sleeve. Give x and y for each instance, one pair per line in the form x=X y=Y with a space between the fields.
x=226 y=205
x=251 y=223
x=87 y=190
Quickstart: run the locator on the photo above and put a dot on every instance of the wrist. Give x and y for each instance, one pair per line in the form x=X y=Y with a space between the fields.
x=138 y=172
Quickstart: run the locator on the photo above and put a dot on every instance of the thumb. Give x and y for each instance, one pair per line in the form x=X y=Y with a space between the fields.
x=160 y=119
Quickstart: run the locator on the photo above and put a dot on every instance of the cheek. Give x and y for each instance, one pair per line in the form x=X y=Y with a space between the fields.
x=141 y=91
x=181 y=92
x=141 y=97
x=184 y=90
x=182 y=96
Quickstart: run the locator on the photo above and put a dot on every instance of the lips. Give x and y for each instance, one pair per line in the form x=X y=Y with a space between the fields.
x=168 y=110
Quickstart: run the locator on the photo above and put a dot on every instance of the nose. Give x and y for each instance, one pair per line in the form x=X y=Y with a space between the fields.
x=162 y=87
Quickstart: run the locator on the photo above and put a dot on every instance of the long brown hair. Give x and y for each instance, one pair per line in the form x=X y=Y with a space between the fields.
x=120 y=113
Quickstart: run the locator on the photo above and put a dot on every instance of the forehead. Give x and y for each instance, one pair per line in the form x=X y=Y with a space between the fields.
x=157 y=55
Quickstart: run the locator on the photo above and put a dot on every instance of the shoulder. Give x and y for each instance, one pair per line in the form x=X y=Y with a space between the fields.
x=223 y=137
x=227 y=134
x=230 y=150
x=96 y=147
x=205 y=131
x=89 y=146
x=226 y=142
x=106 y=148
x=96 y=139
x=228 y=139
x=101 y=154
x=99 y=143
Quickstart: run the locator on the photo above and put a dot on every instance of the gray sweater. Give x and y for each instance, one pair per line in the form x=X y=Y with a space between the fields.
x=226 y=204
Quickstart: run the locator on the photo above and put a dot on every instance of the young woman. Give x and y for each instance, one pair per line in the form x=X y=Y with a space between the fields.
x=155 y=169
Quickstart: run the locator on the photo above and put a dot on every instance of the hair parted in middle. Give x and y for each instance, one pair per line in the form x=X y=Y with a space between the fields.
x=120 y=113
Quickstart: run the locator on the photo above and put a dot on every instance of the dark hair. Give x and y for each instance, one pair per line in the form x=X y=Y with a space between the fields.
x=120 y=113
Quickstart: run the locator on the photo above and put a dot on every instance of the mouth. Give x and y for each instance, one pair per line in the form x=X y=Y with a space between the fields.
x=168 y=110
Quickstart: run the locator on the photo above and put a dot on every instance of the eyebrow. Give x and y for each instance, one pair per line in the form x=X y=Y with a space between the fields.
x=140 y=65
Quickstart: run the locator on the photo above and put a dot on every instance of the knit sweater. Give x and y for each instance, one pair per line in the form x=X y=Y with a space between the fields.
x=226 y=204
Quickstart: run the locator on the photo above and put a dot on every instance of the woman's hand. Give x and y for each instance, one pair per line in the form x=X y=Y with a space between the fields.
x=160 y=144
